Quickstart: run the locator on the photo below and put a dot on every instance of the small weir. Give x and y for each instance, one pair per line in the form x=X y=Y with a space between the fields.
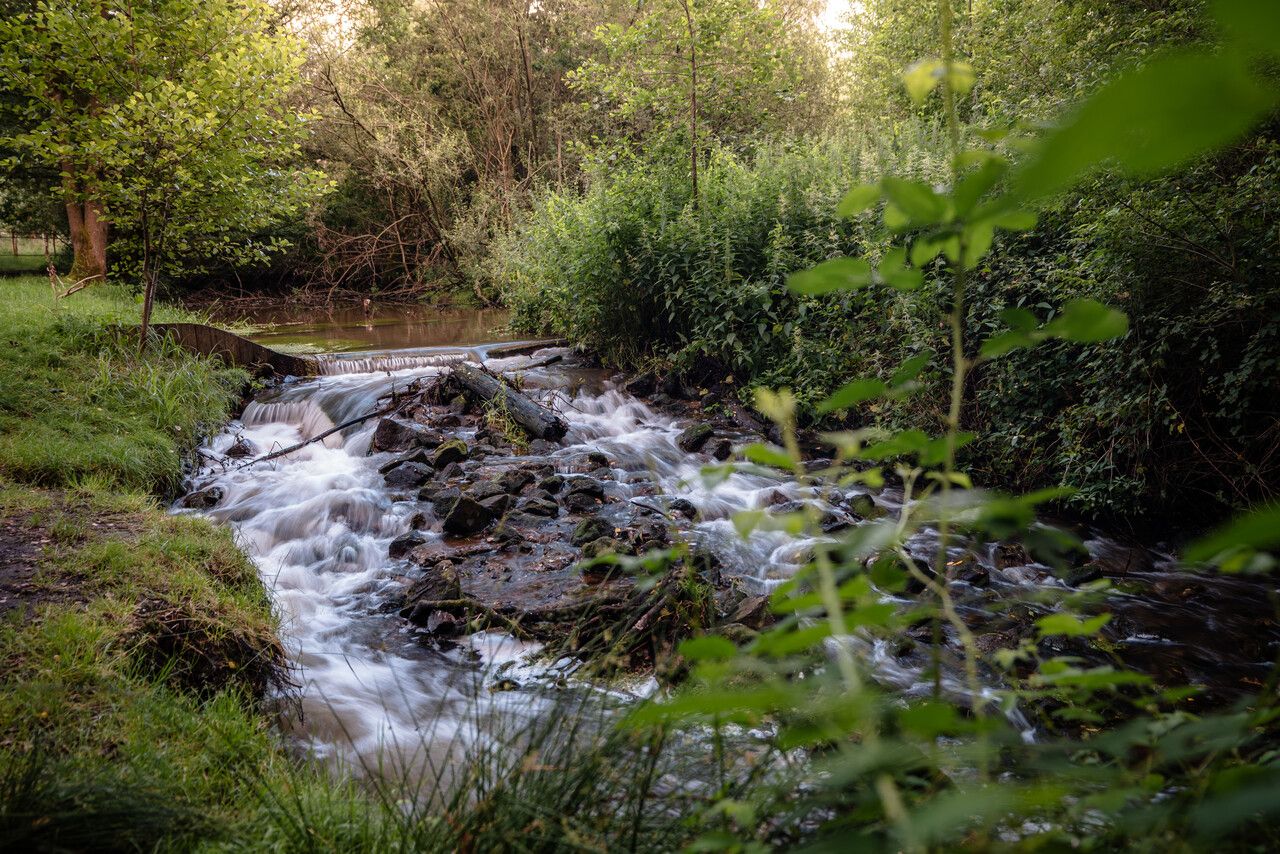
x=318 y=524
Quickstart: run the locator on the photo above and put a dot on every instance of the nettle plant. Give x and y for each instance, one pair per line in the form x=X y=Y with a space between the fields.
x=1115 y=758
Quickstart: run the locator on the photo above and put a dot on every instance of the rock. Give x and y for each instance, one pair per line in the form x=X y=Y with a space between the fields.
x=515 y=480
x=684 y=507
x=642 y=386
x=453 y=471
x=551 y=483
x=392 y=434
x=753 y=612
x=590 y=529
x=542 y=447
x=442 y=624
x=865 y=507
x=467 y=516
x=408 y=476
x=418 y=521
x=969 y=572
x=737 y=633
x=498 y=504
x=458 y=404
x=452 y=451
x=580 y=503
x=584 y=486
x=721 y=449
x=692 y=438
x=507 y=533
x=241 y=448
x=442 y=498
x=432 y=553
x=404 y=544
x=203 y=499
x=603 y=545
x=420 y=456
x=485 y=489
x=440 y=583
x=673 y=385
x=834 y=520
x=1079 y=575
x=536 y=506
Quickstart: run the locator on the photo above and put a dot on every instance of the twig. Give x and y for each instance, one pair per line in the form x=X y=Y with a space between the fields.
x=386 y=410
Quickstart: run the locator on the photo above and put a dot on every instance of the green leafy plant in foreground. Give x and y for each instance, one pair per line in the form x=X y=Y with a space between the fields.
x=1116 y=758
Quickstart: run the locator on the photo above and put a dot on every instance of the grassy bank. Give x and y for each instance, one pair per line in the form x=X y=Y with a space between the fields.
x=135 y=645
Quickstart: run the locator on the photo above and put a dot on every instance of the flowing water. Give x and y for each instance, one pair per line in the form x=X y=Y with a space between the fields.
x=318 y=523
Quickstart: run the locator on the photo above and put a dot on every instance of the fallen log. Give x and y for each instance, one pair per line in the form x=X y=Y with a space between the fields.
x=536 y=420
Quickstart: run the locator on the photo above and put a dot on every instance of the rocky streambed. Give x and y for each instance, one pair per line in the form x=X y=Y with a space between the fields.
x=434 y=566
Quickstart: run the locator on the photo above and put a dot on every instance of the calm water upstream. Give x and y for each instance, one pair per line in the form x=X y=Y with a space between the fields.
x=318 y=523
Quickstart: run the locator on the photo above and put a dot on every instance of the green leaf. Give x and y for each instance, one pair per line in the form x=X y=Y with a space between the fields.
x=1006 y=342
x=1019 y=318
x=851 y=394
x=1088 y=321
x=858 y=200
x=838 y=274
x=1070 y=625
x=921 y=78
x=1173 y=108
x=708 y=648
x=916 y=200
x=1259 y=529
x=910 y=369
x=976 y=184
x=766 y=455
x=1250 y=22
x=894 y=270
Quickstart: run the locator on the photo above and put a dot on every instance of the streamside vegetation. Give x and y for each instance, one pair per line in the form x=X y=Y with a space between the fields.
x=1012 y=258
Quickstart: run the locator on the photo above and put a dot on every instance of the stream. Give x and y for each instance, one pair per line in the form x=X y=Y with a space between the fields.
x=377 y=694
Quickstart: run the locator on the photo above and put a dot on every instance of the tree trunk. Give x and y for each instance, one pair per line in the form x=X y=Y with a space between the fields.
x=88 y=234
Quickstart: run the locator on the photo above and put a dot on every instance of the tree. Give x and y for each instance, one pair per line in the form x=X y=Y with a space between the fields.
x=685 y=69
x=168 y=120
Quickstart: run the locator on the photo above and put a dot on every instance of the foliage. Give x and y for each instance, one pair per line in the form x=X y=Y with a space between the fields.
x=175 y=122
x=74 y=401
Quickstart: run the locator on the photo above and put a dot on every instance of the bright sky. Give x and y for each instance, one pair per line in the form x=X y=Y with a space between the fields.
x=834 y=11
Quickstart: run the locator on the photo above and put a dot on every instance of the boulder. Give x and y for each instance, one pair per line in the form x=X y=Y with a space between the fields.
x=467 y=516
x=484 y=489
x=865 y=507
x=408 y=476
x=442 y=498
x=603 y=545
x=693 y=437
x=419 y=455
x=241 y=448
x=392 y=434
x=721 y=449
x=452 y=451
x=498 y=504
x=439 y=583
x=551 y=483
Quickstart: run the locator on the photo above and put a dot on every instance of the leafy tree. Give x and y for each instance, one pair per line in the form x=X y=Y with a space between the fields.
x=168 y=120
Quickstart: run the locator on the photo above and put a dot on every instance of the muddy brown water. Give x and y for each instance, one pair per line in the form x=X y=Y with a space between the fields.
x=377 y=694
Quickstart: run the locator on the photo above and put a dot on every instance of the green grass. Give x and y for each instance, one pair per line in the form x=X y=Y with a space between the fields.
x=21 y=263
x=75 y=400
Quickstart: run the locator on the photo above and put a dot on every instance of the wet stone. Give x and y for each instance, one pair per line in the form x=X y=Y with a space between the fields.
x=542 y=447
x=865 y=507
x=420 y=456
x=684 y=507
x=467 y=516
x=453 y=471
x=585 y=486
x=404 y=544
x=721 y=449
x=692 y=438
x=642 y=386
x=536 y=506
x=408 y=476
x=497 y=504
x=452 y=451
x=602 y=546
x=1079 y=575
x=514 y=481
x=241 y=448
x=442 y=498
x=392 y=434
x=753 y=612
x=551 y=483
x=203 y=499
x=591 y=529
x=439 y=583
x=580 y=503
x=484 y=489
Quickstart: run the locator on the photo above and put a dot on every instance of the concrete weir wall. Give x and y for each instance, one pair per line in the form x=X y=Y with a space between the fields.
x=211 y=341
